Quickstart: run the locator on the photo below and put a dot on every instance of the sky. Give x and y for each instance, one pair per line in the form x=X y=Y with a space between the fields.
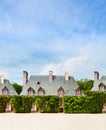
x=59 y=35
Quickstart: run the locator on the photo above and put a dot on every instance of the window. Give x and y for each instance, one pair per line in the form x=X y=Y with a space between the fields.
x=78 y=92
x=44 y=105
x=40 y=91
x=60 y=92
x=101 y=87
x=38 y=82
x=31 y=91
x=5 y=91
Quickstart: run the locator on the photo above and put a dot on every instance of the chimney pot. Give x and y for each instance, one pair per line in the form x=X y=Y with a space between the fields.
x=50 y=75
x=96 y=75
x=67 y=75
x=2 y=79
x=25 y=77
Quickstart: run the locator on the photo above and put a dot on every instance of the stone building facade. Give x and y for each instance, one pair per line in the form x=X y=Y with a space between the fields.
x=6 y=87
x=99 y=83
x=50 y=85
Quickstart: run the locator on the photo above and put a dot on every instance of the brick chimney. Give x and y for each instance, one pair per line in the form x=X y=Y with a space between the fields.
x=66 y=75
x=2 y=79
x=25 y=77
x=50 y=75
x=96 y=76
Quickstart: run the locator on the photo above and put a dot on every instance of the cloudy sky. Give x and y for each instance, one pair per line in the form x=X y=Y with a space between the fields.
x=58 y=35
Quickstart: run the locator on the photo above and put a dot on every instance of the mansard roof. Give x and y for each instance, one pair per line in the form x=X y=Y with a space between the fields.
x=9 y=86
x=51 y=87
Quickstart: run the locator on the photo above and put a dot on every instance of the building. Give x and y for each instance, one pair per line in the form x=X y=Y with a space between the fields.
x=50 y=85
x=6 y=87
x=99 y=84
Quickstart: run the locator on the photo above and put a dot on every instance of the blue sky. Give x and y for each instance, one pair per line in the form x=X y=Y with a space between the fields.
x=58 y=35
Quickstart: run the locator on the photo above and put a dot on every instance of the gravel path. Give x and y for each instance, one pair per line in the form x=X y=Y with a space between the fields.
x=60 y=121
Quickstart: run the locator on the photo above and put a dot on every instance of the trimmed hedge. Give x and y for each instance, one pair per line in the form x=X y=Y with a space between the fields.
x=92 y=103
x=21 y=104
x=83 y=104
x=3 y=102
x=104 y=98
x=48 y=104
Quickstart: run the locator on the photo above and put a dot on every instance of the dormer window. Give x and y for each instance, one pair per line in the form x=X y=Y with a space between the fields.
x=61 y=92
x=5 y=91
x=40 y=91
x=31 y=91
x=101 y=87
x=78 y=91
x=38 y=83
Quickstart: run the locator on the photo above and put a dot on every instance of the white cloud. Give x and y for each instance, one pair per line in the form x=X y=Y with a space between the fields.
x=82 y=61
x=39 y=36
x=71 y=65
x=79 y=59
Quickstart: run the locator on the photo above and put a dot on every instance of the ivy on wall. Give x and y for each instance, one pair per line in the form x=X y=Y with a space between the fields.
x=92 y=103
x=21 y=104
x=3 y=102
x=83 y=104
x=47 y=104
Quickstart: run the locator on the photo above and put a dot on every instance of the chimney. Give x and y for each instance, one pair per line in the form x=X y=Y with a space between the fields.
x=25 y=77
x=96 y=76
x=2 y=79
x=67 y=75
x=50 y=75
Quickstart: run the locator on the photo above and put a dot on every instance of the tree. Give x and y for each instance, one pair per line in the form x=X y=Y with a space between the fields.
x=85 y=84
x=17 y=87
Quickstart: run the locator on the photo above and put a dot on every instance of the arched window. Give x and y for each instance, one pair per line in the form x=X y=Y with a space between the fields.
x=40 y=91
x=31 y=91
x=78 y=91
x=101 y=87
x=61 y=92
x=5 y=91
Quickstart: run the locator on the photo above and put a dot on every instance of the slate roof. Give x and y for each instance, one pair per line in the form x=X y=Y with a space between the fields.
x=97 y=83
x=51 y=87
x=9 y=86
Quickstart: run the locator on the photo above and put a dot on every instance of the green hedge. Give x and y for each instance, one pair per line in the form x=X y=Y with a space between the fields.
x=48 y=104
x=104 y=98
x=92 y=103
x=83 y=104
x=21 y=104
x=3 y=102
